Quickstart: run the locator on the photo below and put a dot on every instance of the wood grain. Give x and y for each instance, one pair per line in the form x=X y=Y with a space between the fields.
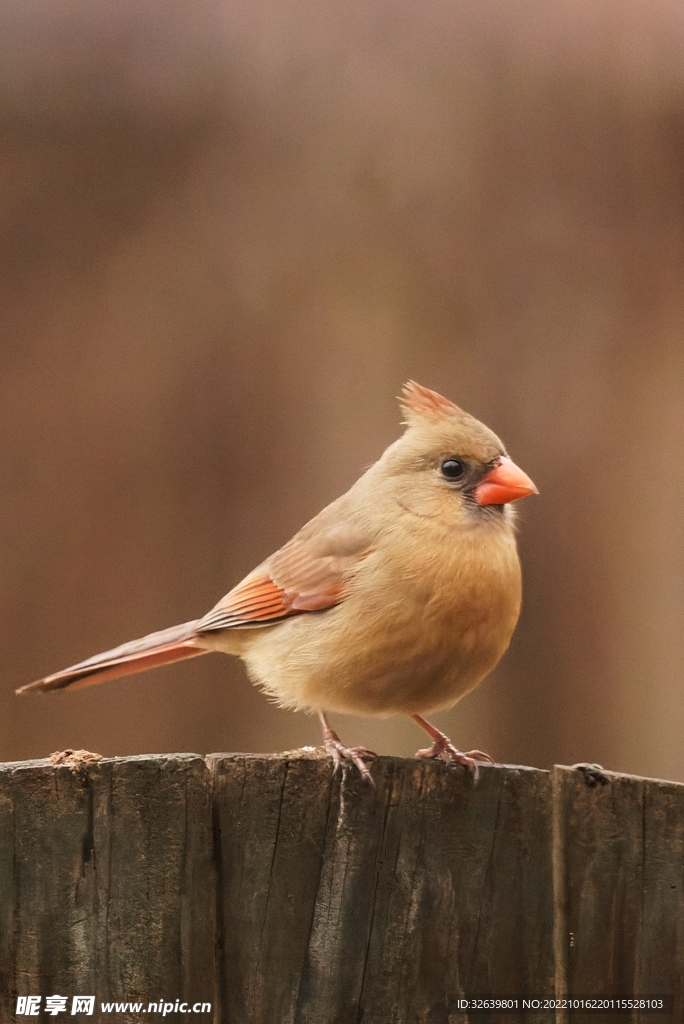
x=622 y=881
x=285 y=895
x=343 y=902
x=106 y=880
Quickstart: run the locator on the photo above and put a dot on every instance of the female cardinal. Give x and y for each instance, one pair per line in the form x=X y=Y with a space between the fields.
x=398 y=598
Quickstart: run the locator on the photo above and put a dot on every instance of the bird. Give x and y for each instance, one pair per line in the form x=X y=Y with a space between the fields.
x=398 y=598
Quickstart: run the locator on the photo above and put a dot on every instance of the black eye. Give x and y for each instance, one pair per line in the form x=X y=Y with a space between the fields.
x=452 y=469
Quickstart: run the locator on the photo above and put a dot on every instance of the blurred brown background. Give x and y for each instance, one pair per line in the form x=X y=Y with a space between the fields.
x=229 y=233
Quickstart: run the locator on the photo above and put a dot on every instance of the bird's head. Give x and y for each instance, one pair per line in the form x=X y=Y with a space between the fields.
x=449 y=465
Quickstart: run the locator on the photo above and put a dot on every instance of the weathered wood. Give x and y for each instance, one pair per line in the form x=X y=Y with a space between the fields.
x=380 y=904
x=106 y=880
x=622 y=881
x=280 y=893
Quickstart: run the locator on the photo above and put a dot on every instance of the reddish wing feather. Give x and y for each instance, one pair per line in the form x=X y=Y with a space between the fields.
x=292 y=581
x=259 y=601
x=254 y=602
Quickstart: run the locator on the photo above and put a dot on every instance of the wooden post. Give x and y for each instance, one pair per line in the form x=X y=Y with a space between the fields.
x=265 y=887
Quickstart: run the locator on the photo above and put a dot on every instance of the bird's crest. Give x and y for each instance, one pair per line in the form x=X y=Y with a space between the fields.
x=417 y=401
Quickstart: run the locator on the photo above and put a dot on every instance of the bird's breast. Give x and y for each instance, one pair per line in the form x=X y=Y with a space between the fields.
x=421 y=625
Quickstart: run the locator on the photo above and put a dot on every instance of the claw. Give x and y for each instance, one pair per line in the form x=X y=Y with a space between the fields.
x=444 y=748
x=343 y=757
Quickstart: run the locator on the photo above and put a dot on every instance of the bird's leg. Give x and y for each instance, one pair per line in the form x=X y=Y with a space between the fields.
x=443 y=747
x=343 y=756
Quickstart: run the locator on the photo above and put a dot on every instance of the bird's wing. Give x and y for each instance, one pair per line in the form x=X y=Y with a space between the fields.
x=309 y=574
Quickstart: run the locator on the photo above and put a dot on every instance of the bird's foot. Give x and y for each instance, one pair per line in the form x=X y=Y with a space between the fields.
x=343 y=757
x=444 y=748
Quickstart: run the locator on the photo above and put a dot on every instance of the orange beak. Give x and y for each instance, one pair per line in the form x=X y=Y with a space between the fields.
x=506 y=482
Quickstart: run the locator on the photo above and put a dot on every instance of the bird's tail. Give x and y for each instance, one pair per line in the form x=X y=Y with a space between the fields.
x=162 y=648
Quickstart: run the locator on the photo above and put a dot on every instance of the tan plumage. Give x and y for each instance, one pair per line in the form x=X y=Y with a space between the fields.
x=398 y=598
